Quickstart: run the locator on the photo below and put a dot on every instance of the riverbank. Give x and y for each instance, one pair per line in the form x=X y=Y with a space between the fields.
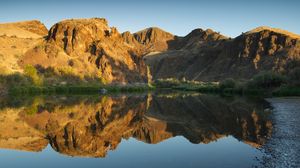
x=265 y=85
x=272 y=92
x=92 y=89
x=283 y=148
x=212 y=88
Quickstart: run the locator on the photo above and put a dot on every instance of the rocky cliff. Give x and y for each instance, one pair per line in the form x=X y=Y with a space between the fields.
x=154 y=39
x=149 y=40
x=89 y=49
x=209 y=56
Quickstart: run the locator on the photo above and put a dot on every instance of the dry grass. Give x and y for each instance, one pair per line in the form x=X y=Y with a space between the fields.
x=13 y=30
x=12 y=49
x=16 y=39
x=258 y=29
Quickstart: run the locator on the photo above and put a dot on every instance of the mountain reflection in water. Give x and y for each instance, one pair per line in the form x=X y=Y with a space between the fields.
x=91 y=126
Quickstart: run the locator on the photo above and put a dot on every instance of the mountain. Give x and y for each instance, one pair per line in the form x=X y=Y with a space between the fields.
x=88 y=49
x=198 y=38
x=209 y=56
x=152 y=39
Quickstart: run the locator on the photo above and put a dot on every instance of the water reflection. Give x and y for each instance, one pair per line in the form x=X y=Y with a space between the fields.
x=91 y=126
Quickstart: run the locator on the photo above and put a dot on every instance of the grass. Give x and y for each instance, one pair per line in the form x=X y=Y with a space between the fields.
x=215 y=88
x=263 y=84
x=203 y=87
x=60 y=81
x=65 y=81
x=36 y=90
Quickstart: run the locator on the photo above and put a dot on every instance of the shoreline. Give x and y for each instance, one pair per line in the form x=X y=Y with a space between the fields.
x=77 y=89
x=102 y=89
x=282 y=149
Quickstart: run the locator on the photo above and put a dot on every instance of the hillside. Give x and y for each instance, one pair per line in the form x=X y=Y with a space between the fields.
x=219 y=57
x=284 y=32
x=25 y=29
x=89 y=50
x=16 y=39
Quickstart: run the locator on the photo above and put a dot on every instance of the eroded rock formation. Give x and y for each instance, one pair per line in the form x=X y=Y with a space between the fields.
x=89 y=47
x=209 y=56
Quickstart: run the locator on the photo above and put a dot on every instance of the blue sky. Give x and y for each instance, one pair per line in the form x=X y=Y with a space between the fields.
x=230 y=17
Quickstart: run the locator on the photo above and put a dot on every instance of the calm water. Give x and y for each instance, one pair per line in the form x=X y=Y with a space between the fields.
x=145 y=130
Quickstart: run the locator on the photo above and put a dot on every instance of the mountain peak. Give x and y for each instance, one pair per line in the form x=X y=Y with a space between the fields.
x=152 y=29
x=154 y=38
x=276 y=30
x=199 y=37
x=201 y=31
x=152 y=34
x=75 y=34
x=85 y=21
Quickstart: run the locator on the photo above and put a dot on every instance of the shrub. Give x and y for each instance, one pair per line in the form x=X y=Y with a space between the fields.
x=15 y=79
x=32 y=73
x=227 y=83
x=267 y=80
x=65 y=70
x=102 y=81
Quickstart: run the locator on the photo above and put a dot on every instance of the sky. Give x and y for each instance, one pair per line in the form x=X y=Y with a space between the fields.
x=229 y=17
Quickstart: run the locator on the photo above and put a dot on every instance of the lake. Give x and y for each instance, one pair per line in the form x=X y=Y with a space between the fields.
x=171 y=129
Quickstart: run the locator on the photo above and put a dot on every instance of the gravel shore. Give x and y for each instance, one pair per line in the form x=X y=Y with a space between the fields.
x=283 y=149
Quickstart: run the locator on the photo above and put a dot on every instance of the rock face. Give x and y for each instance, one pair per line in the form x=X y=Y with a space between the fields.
x=198 y=38
x=78 y=36
x=149 y=40
x=259 y=46
x=209 y=56
x=154 y=39
x=91 y=48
